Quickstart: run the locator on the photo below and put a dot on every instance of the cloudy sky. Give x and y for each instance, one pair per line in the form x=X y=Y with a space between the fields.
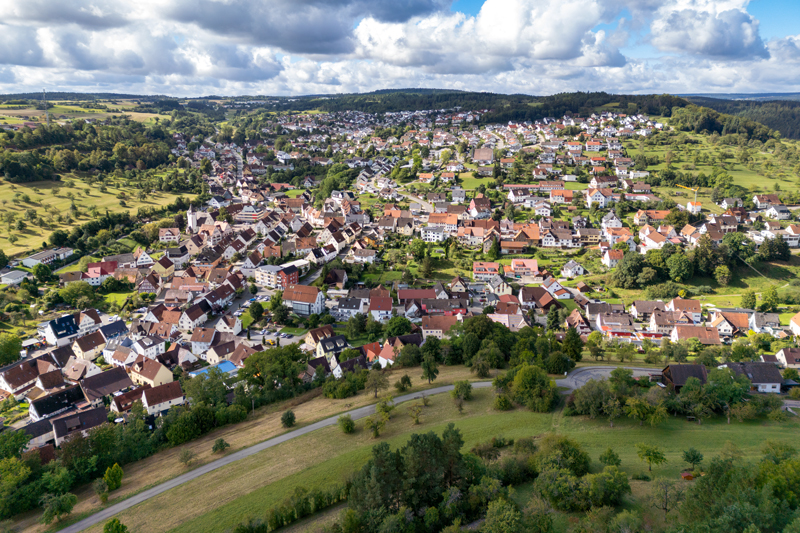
x=290 y=47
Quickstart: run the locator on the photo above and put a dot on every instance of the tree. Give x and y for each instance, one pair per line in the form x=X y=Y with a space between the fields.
x=186 y=457
x=417 y=248
x=494 y=250
x=55 y=507
x=610 y=458
x=612 y=409
x=652 y=455
x=415 y=411
x=502 y=517
x=404 y=383
x=10 y=348
x=692 y=457
x=462 y=390
x=665 y=495
x=749 y=299
x=680 y=268
x=572 y=346
x=723 y=275
x=346 y=423
x=220 y=446
x=375 y=423
x=426 y=268
x=398 y=325
x=42 y=273
x=553 y=322
x=101 y=489
x=113 y=477
x=115 y=526
x=481 y=367
x=376 y=381
x=531 y=387
x=430 y=368
x=288 y=419
x=769 y=299
x=256 y=311
x=637 y=409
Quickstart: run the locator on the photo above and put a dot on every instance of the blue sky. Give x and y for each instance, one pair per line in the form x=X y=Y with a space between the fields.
x=285 y=47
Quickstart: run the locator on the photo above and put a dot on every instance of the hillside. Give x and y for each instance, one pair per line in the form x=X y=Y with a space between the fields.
x=782 y=115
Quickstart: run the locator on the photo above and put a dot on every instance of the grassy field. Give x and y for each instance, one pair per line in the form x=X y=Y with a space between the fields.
x=249 y=487
x=48 y=205
x=70 y=111
x=264 y=424
x=118 y=298
x=294 y=331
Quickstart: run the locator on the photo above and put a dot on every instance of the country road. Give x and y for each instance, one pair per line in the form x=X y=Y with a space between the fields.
x=577 y=378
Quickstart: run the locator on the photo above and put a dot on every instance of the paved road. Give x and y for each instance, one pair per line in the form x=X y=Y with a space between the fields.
x=361 y=412
x=578 y=378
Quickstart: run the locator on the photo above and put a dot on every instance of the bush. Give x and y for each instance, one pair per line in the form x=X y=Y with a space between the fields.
x=220 y=446
x=462 y=389
x=404 y=383
x=347 y=424
x=640 y=477
x=502 y=403
x=287 y=419
x=610 y=458
x=186 y=457
x=385 y=407
x=525 y=445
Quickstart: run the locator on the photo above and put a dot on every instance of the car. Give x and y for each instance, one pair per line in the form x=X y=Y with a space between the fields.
x=266 y=298
x=252 y=299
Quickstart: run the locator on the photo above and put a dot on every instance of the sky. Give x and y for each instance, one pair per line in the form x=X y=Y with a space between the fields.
x=295 y=47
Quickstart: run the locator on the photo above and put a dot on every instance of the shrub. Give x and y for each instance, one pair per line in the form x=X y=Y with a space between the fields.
x=525 y=445
x=287 y=419
x=187 y=456
x=220 y=446
x=385 y=407
x=502 y=403
x=347 y=424
x=640 y=477
x=462 y=389
x=610 y=458
x=404 y=383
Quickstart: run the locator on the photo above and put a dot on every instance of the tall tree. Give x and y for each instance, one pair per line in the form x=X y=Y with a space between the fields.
x=430 y=368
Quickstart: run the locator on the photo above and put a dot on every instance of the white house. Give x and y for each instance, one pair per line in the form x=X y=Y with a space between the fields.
x=572 y=269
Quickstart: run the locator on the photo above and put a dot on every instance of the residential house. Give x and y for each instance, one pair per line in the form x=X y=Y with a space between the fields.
x=708 y=336
x=150 y=372
x=764 y=377
x=161 y=398
x=304 y=300
x=438 y=326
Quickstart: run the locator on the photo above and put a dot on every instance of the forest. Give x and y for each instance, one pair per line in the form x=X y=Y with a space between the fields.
x=781 y=115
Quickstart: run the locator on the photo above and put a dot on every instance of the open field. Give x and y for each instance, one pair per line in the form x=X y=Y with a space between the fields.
x=48 y=205
x=71 y=111
x=249 y=487
x=265 y=424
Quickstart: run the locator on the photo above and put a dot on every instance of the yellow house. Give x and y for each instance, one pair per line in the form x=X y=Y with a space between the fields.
x=89 y=346
x=165 y=268
x=150 y=372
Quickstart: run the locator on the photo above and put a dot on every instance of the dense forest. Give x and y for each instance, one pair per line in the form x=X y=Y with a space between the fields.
x=781 y=115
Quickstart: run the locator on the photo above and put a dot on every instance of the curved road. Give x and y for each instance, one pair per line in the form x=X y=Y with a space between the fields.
x=574 y=380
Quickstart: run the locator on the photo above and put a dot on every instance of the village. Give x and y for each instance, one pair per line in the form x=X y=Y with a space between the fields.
x=264 y=264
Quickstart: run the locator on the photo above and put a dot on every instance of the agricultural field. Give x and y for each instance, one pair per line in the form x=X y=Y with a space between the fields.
x=49 y=199
x=71 y=110
x=248 y=488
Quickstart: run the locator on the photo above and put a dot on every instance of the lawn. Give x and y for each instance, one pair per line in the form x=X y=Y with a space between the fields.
x=47 y=205
x=470 y=182
x=118 y=298
x=246 y=320
x=249 y=487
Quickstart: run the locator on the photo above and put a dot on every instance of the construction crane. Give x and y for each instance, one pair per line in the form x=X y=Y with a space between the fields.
x=691 y=189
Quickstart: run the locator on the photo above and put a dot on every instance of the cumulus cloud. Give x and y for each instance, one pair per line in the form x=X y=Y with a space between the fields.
x=193 y=47
x=730 y=34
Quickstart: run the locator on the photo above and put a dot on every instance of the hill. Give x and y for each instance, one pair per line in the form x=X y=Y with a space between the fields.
x=782 y=115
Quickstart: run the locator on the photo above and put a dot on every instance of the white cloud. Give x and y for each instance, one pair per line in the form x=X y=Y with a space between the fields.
x=197 y=47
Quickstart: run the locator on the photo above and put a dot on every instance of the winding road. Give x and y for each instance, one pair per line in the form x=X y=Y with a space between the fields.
x=575 y=379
